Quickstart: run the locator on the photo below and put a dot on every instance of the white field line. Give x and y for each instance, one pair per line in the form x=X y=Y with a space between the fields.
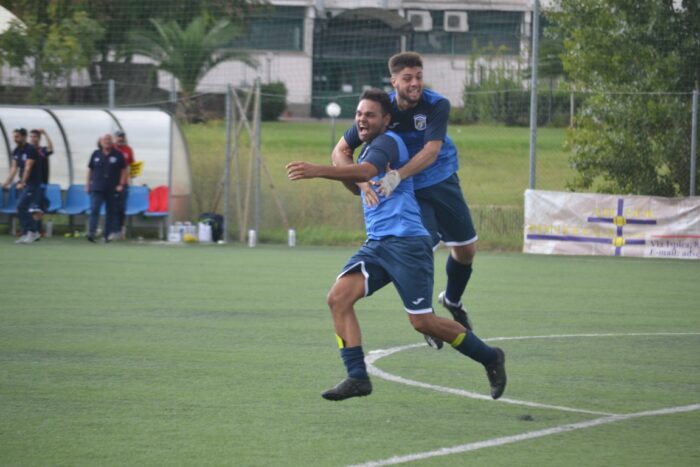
x=568 y=336
x=375 y=355
x=607 y=418
x=526 y=436
x=373 y=370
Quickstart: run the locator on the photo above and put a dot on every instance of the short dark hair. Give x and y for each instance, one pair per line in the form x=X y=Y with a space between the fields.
x=21 y=131
x=404 y=60
x=34 y=131
x=119 y=133
x=379 y=96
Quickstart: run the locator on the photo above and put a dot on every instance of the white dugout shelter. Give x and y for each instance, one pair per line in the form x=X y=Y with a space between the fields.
x=153 y=134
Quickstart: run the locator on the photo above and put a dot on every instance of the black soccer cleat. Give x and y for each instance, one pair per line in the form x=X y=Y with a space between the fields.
x=496 y=372
x=347 y=388
x=458 y=312
x=433 y=342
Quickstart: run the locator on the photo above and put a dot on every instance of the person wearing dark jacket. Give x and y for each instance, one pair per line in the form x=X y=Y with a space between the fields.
x=106 y=177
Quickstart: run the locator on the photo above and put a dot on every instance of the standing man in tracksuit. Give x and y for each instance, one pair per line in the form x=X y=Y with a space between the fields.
x=106 y=177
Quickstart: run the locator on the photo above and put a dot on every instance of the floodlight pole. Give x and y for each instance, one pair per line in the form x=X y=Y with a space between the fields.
x=169 y=219
x=227 y=175
x=332 y=133
x=694 y=143
x=257 y=119
x=110 y=94
x=533 y=90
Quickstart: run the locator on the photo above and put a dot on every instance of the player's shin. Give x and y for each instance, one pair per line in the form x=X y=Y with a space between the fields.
x=467 y=343
x=353 y=359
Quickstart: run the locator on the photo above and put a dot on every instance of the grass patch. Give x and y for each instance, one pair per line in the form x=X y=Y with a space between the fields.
x=138 y=354
x=494 y=172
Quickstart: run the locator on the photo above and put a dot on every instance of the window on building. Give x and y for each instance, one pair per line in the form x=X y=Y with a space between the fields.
x=490 y=32
x=274 y=28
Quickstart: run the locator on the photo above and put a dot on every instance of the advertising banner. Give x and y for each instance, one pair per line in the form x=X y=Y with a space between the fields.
x=611 y=225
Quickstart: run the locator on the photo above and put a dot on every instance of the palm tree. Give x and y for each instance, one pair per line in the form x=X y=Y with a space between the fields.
x=189 y=53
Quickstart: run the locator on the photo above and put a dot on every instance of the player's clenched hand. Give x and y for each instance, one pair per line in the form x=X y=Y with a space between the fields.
x=299 y=170
x=388 y=184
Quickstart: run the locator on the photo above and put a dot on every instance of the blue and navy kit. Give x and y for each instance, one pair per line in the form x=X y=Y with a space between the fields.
x=427 y=121
x=21 y=155
x=398 y=248
x=399 y=214
x=106 y=170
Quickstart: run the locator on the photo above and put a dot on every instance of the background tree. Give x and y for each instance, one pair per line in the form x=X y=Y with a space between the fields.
x=113 y=54
x=121 y=18
x=550 y=69
x=626 y=141
x=49 y=46
x=189 y=53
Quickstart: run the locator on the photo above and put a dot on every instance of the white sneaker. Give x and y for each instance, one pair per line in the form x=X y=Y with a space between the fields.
x=29 y=238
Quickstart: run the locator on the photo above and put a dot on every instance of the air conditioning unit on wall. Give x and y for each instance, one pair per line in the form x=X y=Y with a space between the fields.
x=456 y=21
x=421 y=20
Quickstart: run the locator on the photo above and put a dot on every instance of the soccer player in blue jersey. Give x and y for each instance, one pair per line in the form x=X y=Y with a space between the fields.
x=398 y=250
x=419 y=116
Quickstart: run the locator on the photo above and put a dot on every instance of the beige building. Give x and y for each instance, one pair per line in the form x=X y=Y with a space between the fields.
x=325 y=50
x=331 y=49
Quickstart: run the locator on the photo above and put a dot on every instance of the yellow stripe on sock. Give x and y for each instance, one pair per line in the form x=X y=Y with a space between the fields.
x=458 y=340
x=340 y=341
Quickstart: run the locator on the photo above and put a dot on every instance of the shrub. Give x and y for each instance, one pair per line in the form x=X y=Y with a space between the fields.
x=273 y=100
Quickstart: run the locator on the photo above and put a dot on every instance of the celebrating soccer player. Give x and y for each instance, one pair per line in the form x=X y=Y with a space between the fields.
x=419 y=116
x=398 y=250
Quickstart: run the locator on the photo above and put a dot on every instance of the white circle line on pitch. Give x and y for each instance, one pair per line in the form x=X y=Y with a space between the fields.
x=375 y=355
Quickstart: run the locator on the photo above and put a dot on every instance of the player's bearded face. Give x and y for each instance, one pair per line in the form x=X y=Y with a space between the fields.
x=369 y=120
x=409 y=85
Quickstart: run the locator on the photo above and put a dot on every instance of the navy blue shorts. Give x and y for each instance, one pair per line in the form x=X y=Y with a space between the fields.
x=405 y=261
x=446 y=214
x=32 y=198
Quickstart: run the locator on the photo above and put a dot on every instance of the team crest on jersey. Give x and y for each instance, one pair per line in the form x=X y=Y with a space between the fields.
x=420 y=121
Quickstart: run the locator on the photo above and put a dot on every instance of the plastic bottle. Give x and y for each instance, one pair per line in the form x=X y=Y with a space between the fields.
x=252 y=238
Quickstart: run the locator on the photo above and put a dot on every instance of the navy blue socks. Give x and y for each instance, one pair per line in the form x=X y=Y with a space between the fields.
x=468 y=344
x=458 y=275
x=354 y=360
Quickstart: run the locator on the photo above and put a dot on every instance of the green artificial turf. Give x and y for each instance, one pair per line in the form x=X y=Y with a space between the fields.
x=147 y=354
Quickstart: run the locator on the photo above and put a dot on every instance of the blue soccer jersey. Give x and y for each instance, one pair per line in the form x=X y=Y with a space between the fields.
x=397 y=215
x=427 y=121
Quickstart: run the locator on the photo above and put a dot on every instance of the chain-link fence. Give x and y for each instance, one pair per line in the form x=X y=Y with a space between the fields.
x=182 y=57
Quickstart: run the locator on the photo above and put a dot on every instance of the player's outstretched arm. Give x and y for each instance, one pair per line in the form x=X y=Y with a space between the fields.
x=299 y=170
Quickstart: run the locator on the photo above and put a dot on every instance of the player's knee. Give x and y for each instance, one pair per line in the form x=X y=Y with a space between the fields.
x=464 y=253
x=346 y=291
x=338 y=298
x=332 y=299
x=421 y=322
